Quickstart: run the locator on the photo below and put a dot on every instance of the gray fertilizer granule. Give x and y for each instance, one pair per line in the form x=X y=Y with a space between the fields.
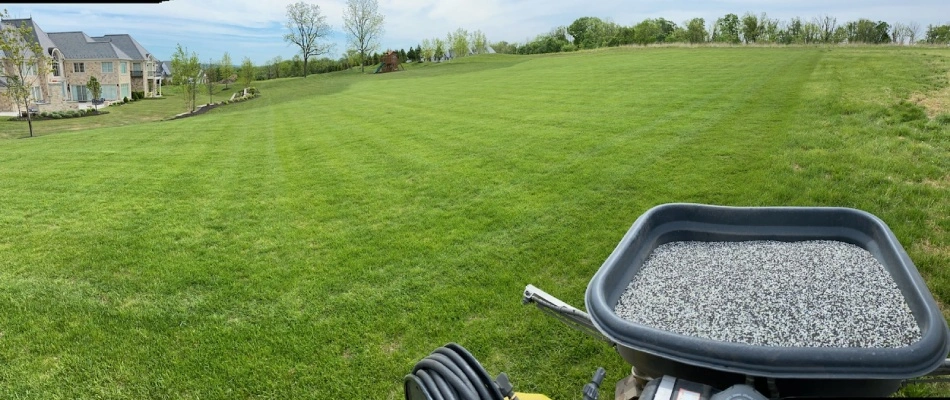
x=790 y=294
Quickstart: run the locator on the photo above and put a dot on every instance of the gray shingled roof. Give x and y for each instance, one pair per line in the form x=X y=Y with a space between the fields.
x=79 y=46
x=38 y=35
x=127 y=44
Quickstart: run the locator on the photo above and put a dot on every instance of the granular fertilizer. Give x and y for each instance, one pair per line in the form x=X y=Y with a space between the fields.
x=817 y=293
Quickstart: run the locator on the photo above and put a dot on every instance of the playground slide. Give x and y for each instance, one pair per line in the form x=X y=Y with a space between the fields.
x=379 y=68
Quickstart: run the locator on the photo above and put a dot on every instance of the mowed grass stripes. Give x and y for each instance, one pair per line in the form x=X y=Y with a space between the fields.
x=319 y=240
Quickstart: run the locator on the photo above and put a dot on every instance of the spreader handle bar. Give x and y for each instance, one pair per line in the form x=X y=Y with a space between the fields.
x=577 y=319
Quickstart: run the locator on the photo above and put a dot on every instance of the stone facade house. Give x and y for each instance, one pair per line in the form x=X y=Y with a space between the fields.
x=85 y=57
x=143 y=64
x=119 y=63
x=48 y=87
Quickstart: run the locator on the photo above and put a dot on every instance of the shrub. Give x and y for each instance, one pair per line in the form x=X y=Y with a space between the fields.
x=125 y=100
x=252 y=90
x=138 y=95
x=44 y=114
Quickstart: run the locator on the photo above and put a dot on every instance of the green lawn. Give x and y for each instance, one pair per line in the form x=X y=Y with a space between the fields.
x=128 y=115
x=319 y=240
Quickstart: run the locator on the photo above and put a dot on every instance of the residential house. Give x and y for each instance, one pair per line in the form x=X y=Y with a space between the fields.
x=143 y=64
x=48 y=88
x=85 y=57
x=119 y=63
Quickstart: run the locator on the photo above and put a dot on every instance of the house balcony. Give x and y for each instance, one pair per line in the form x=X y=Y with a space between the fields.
x=136 y=74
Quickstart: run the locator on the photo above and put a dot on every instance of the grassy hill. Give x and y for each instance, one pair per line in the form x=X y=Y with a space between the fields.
x=319 y=240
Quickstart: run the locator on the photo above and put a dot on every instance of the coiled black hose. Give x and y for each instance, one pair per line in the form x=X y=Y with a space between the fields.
x=452 y=373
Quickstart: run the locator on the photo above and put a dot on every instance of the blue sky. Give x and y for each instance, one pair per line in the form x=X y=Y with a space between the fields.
x=254 y=28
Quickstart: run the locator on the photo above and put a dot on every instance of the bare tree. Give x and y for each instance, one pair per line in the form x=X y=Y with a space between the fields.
x=826 y=26
x=898 y=33
x=364 y=26
x=307 y=27
x=277 y=61
x=23 y=64
x=913 y=30
x=211 y=79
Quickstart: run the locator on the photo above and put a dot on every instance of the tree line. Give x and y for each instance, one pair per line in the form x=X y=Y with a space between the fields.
x=593 y=32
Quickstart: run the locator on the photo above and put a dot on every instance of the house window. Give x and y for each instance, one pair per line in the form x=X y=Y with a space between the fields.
x=80 y=93
x=30 y=68
x=110 y=92
x=107 y=67
x=125 y=90
x=55 y=69
x=136 y=66
x=123 y=67
x=37 y=94
x=79 y=67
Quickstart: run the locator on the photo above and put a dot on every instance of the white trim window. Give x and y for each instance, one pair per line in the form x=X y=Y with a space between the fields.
x=125 y=91
x=37 y=94
x=123 y=67
x=30 y=68
x=56 y=68
x=79 y=67
x=80 y=93
x=110 y=92
x=107 y=67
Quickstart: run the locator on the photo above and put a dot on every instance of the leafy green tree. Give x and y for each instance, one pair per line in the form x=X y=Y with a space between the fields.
x=867 y=31
x=726 y=29
x=247 y=72
x=503 y=47
x=593 y=32
x=751 y=29
x=458 y=42
x=696 y=30
x=419 y=52
x=411 y=54
x=479 y=42
x=585 y=31
x=308 y=27
x=439 y=49
x=363 y=24
x=96 y=89
x=552 y=42
x=625 y=35
x=186 y=69
x=646 y=32
x=23 y=64
x=939 y=34
x=427 y=50
x=770 y=29
x=227 y=69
